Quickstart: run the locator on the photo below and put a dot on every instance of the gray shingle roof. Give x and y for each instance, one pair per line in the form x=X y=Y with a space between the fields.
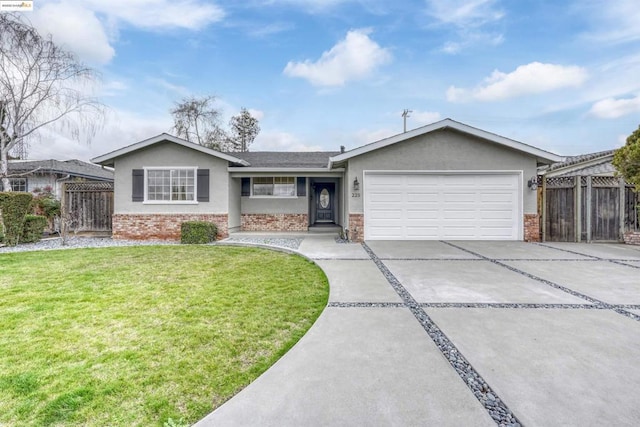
x=573 y=160
x=73 y=167
x=281 y=159
x=598 y=163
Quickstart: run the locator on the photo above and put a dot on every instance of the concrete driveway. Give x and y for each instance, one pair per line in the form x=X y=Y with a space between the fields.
x=460 y=333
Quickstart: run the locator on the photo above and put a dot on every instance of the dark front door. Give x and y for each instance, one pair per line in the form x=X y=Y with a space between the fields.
x=325 y=194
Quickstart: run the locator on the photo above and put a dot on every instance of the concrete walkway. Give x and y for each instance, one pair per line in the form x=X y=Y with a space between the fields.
x=459 y=333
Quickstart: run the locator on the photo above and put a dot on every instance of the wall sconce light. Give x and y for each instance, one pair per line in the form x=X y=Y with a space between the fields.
x=356 y=184
x=533 y=183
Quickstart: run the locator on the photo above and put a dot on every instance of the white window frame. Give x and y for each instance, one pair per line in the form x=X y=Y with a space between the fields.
x=26 y=183
x=273 y=177
x=171 y=202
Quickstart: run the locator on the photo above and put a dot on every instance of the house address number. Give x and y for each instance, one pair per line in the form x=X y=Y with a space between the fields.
x=355 y=194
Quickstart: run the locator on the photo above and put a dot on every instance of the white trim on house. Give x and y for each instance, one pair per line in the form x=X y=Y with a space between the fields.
x=107 y=159
x=233 y=169
x=448 y=124
x=146 y=200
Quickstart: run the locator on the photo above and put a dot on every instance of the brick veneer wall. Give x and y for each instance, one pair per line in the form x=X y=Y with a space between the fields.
x=356 y=227
x=274 y=222
x=632 y=237
x=162 y=226
x=531 y=227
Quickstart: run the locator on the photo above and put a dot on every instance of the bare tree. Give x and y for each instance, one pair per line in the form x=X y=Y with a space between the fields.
x=197 y=120
x=244 y=129
x=41 y=85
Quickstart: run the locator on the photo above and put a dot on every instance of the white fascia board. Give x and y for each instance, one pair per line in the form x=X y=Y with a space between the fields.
x=240 y=172
x=105 y=159
x=448 y=124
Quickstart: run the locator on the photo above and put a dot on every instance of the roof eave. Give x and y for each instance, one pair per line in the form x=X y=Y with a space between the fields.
x=541 y=156
x=109 y=158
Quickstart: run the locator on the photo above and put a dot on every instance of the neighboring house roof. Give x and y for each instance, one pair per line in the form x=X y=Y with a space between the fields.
x=541 y=155
x=108 y=159
x=287 y=159
x=75 y=168
x=598 y=163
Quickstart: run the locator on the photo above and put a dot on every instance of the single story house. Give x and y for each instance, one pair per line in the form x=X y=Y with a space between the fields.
x=30 y=175
x=446 y=180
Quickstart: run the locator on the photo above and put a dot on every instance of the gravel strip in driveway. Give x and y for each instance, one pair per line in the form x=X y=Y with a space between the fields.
x=496 y=408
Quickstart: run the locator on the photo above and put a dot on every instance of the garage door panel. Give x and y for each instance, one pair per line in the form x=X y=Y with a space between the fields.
x=387 y=214
x=422 y=214
x=420 y=206
x=497 y=214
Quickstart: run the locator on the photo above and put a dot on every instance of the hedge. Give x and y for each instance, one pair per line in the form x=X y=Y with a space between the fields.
x=34 y=226
x=197 y=232
x=13 y=208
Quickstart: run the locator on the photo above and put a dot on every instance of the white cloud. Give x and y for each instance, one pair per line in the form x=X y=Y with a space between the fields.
x=464 y=13
x=469 y=19
x=366 y=136
x=76 y=28
x=611 y=21
x=353 y=58
x=281 y=141
x=161 y=14
x=89 y=28
x=122 y=128
x=526 y=79
x=257 y=114
x=421 y=118
x=612 y=108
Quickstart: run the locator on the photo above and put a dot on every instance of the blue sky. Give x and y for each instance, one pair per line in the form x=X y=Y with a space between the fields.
x=560 y=75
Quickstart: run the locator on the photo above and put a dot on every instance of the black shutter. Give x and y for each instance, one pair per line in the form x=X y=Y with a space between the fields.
x=245 y=187
x=302 y=186
x=203 y=185
x=137 y=184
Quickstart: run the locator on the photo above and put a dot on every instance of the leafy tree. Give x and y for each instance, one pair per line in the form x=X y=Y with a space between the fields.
x=626 y=159
x=197 y=120
x=41 y=85
x=244 y=129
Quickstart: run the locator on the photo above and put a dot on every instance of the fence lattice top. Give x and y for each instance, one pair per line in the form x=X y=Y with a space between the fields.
x=89 y=186
x=569 y=181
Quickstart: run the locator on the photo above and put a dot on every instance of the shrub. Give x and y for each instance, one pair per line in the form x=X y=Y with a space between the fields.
x=13 y=208
x=197 y=232
x=33 y=228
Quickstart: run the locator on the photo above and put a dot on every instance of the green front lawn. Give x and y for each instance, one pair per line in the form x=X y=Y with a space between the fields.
x=141 y=335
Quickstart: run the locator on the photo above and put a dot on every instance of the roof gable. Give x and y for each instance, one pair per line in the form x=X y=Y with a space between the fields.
x=108 y=159
x=541 y=155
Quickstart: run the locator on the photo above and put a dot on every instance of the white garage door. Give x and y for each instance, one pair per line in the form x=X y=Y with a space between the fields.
x=434 y=206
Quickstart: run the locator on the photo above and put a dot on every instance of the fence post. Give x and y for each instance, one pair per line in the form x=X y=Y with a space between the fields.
x=589 y=208
x=544 y=208
x=623 y=205
x=578 y=207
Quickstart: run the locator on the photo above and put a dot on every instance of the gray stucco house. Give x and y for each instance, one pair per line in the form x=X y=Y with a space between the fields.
x=446 y=180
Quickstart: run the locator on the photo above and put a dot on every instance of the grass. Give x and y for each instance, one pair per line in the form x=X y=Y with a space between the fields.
x=145 y=335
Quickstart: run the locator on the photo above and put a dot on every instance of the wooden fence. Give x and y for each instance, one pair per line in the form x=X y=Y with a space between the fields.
x=588 y=208
x=88 y=206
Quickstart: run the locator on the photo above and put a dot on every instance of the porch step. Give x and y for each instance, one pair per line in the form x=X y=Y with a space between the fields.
x=325 y=229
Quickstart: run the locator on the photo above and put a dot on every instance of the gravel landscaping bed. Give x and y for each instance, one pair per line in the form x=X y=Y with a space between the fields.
x=78 y=242
x=282 y=242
